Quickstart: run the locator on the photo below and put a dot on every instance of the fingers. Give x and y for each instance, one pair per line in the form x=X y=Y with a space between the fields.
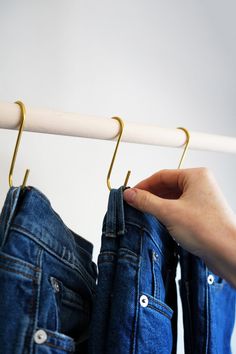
x=165 y=184
x=148 y=202
x=163 y=178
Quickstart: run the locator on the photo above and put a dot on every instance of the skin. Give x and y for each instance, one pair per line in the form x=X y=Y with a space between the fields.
x=192 y=207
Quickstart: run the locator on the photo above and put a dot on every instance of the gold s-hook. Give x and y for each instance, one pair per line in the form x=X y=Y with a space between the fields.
x=23 y=114
x=114 y=155
x=186 y=145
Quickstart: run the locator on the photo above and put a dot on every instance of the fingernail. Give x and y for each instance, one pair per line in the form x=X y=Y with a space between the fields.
x=129 y=195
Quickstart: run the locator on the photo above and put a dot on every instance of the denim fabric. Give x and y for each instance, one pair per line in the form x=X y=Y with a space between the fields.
x=208 y=308
x=135 y=305
x=47 y=279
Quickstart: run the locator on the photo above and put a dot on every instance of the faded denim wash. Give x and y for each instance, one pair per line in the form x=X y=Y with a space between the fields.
x=47 y=279
x=135 y=305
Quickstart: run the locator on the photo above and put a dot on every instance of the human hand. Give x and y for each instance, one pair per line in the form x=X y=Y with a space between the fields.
x=193 y=209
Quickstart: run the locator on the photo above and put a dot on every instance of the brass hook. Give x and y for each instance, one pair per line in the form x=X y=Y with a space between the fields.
x=114 y=155
x=23 y=114
x=186 y=145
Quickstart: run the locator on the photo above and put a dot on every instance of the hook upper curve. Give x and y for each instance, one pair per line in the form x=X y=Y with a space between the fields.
x=121 y=123
x=186 y=145
x=10 y=177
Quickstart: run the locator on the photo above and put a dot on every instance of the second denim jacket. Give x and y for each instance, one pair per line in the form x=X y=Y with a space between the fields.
x=135 y=309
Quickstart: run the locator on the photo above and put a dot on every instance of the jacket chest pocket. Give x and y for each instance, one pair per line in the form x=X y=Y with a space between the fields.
x=72 y=311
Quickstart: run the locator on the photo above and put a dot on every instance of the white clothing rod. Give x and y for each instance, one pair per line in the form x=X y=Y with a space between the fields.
x=74 y=124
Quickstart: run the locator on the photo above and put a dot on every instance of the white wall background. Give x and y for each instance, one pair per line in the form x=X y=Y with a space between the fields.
x=168 y=63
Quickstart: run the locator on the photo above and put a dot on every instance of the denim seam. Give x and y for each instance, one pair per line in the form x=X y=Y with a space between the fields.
x=9 y=213
x=134 y=338
x=58 y=347
x=141 y=227
x=20 y=262
x=20 y=228
x=36 y=316
x=131 y=253
x=159 y=302
x=158 y=310
x=155 y=292
x=32 y=311
x=189 y=315
x=109 y=234
x=126 y=257
x=113 y=234
x=71 y=265
x=32 y=316
x=17 y=272
x=108 y=252
x=103 y=262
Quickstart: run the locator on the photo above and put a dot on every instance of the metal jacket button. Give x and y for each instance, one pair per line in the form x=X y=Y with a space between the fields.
x=143 y=300
x=55 y=284
x=210 y=279
x=40 y=336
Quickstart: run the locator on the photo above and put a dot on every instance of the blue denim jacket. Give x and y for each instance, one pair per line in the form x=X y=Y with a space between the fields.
x=135 y=305
x=47 y=279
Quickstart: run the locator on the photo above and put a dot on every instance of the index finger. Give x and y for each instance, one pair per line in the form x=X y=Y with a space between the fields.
x=164 y=183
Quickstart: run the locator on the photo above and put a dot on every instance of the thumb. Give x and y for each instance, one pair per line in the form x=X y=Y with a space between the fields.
x=150 y=203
